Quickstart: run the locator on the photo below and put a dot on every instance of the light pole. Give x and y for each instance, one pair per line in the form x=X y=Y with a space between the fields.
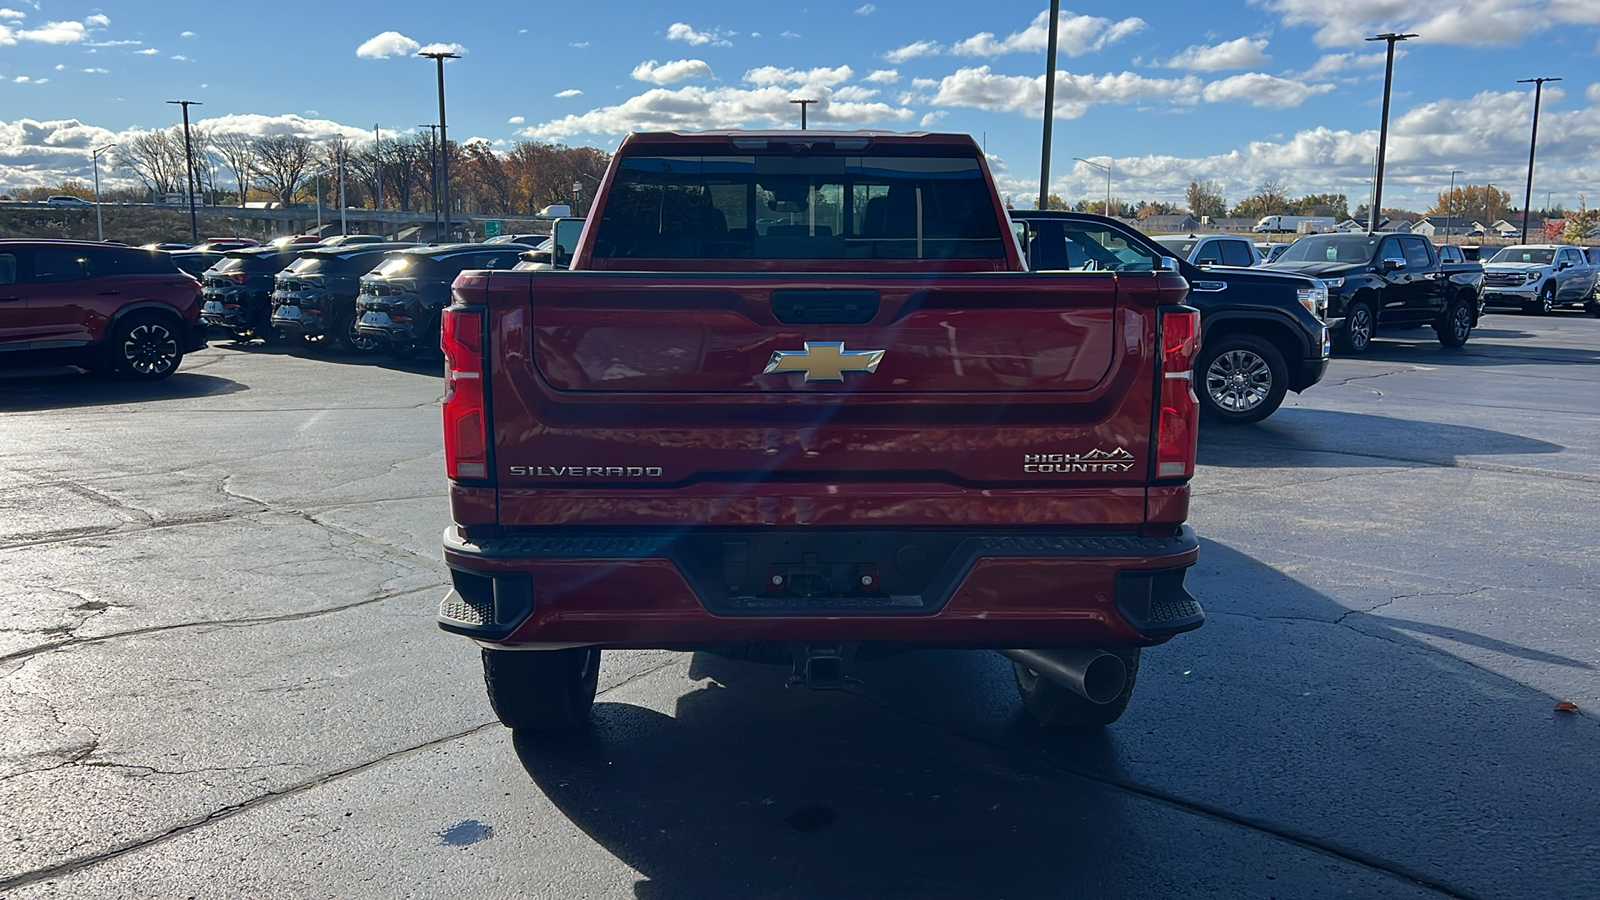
x=318 y=186
x=1547 y=203
x=377 y=166
x=1533 y=145
x=433 y=175
x=344 y=226
x=444 y=135
x=99 y=225
x=1450 y=205
x=1383 y=129
x=803 y=105
x=1106 y=169
x=1049 y=104
x=188 y=158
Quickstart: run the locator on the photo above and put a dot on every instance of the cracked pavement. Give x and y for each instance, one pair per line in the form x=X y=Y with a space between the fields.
x=220 y=677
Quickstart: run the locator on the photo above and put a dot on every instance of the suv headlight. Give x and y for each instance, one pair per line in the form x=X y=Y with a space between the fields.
x=1329 y=284
x=1531 y=277
x=1314 y=299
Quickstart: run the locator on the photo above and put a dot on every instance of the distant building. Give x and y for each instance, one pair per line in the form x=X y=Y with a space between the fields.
x=1228 y=224
x=1168 y=224
x=1444 y=226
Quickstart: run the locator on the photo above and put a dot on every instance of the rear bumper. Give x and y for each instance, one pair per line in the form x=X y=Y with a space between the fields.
x=930 y=587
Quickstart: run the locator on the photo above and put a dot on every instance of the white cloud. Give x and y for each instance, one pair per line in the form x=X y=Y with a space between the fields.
x=259 y=125
x=932 y=118
x=983 y=89
x=912 y=51
x=1075 y=36
x=21 y=79
x=97 y=21
x=771 y=75
x=866 y=10
x=1241 y=53
x=680 y=31
x=97 y=71
x=180 y=58
x=790 y=34
x=667 y=73
x=186 y=34
x=854 y=93
x=148 y=51
x=12 y=14
x=581 y=45
x=698 y=107
x=54 y=33
x=389 y=43
x=61 y=67
x=1467 y=22
x=516 y=120
x=1335 y=63
x=569 y=92
x=457 y=49
x=1593 y=93
x=1259 y=89
x=883 y=76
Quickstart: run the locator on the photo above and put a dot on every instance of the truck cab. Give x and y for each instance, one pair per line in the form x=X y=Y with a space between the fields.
x=1211 y=249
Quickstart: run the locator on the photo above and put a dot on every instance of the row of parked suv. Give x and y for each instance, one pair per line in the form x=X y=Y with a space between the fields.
x=136 y=311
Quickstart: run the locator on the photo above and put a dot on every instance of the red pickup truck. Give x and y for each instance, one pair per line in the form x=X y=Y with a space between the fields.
x=796 y=398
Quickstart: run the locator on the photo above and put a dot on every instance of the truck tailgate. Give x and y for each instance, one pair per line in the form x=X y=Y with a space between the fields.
x=1008 y=398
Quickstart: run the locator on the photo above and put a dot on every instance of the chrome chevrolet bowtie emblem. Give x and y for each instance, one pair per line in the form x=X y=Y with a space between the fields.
x=824 y=361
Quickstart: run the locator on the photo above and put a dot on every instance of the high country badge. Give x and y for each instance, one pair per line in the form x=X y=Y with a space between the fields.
x=1118 y=460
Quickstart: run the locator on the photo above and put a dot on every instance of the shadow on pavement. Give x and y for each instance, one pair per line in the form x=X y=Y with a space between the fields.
x=67 y=387
x=1271 y=753
x=334 y=353
x=1320 y=437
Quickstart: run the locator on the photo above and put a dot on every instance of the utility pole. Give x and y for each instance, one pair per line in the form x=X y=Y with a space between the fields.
x=1383 y=130
x=344 y=225
x=188 y=158
x=1533 y=145
x=99 y=224
x=1049 y=105
x=433 y=175
x=1106 y=169
x=1450 y=205
x=444 y=135
x=377 y=165
x=803 y=105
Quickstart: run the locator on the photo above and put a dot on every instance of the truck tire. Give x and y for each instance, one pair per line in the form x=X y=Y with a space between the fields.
x=1455 y=324
x=1546 y=302
x=1054 y=706
x=146 y=347
x=1240 y=378
x=541 y=690
x=1360 y=327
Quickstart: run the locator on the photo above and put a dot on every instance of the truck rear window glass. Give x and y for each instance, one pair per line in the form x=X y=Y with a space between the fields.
x=799 y=207
x=1353 y=249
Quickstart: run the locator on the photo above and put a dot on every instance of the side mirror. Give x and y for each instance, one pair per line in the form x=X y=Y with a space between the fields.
x=1565 y=265
x=1166 y=264
x=564 y=235
x=1393 y=263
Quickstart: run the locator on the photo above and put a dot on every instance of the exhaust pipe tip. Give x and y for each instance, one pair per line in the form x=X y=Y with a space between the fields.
x=1095 y=675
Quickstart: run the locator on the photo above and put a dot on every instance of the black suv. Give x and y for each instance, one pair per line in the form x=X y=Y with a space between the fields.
x=1262 y=334
x=316 y=295
x=238 y=290
x=401 y=299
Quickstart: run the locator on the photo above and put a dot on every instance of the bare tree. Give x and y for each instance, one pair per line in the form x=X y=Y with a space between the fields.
x=238 y=154
x=155 y=158
x=282 y=163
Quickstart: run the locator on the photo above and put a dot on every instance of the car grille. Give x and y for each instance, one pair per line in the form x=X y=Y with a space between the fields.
x=1502 y=279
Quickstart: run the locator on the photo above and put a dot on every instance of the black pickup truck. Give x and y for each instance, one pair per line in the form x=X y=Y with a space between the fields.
x=1388 y=281
x=1262 y=332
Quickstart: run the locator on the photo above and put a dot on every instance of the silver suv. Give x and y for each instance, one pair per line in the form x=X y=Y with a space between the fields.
x=1538 y=278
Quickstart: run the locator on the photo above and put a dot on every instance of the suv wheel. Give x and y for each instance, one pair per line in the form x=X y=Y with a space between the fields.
x=146 y=348
x=1360 y=326
x=1455 y=326
x=344 y=329
x=1546 y=302
x=1054 y=706
x=542 y=690
x=1243 y=378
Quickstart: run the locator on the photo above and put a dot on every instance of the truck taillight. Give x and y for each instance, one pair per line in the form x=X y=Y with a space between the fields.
x=466 y=436
x=1177 y=428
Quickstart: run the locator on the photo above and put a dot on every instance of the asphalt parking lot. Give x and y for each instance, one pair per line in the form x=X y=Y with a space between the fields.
x=222 y=678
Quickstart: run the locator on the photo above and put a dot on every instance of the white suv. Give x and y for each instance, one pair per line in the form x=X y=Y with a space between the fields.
x=1538 y=277
x=1211 y=249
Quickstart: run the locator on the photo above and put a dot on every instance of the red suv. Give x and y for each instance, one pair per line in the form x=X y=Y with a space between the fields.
x=97 y=306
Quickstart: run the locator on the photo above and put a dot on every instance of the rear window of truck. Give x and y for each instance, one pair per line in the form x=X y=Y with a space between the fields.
x=799 y=207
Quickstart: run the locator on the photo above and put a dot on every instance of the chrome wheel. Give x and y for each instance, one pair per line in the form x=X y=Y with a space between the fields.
x=1238 y=381
x=150 y=349
x=1461 y=323
x=1359 y=328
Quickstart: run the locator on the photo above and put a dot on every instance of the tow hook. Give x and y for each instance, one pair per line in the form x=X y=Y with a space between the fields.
x=819 y=667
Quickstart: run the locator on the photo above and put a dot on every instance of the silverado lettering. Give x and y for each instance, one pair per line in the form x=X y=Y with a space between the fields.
x=823 y=499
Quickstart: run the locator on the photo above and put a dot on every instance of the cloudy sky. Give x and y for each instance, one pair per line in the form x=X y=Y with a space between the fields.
x=1234 y=90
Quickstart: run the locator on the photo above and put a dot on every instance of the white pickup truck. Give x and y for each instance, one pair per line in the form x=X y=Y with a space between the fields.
x=1538 y=278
